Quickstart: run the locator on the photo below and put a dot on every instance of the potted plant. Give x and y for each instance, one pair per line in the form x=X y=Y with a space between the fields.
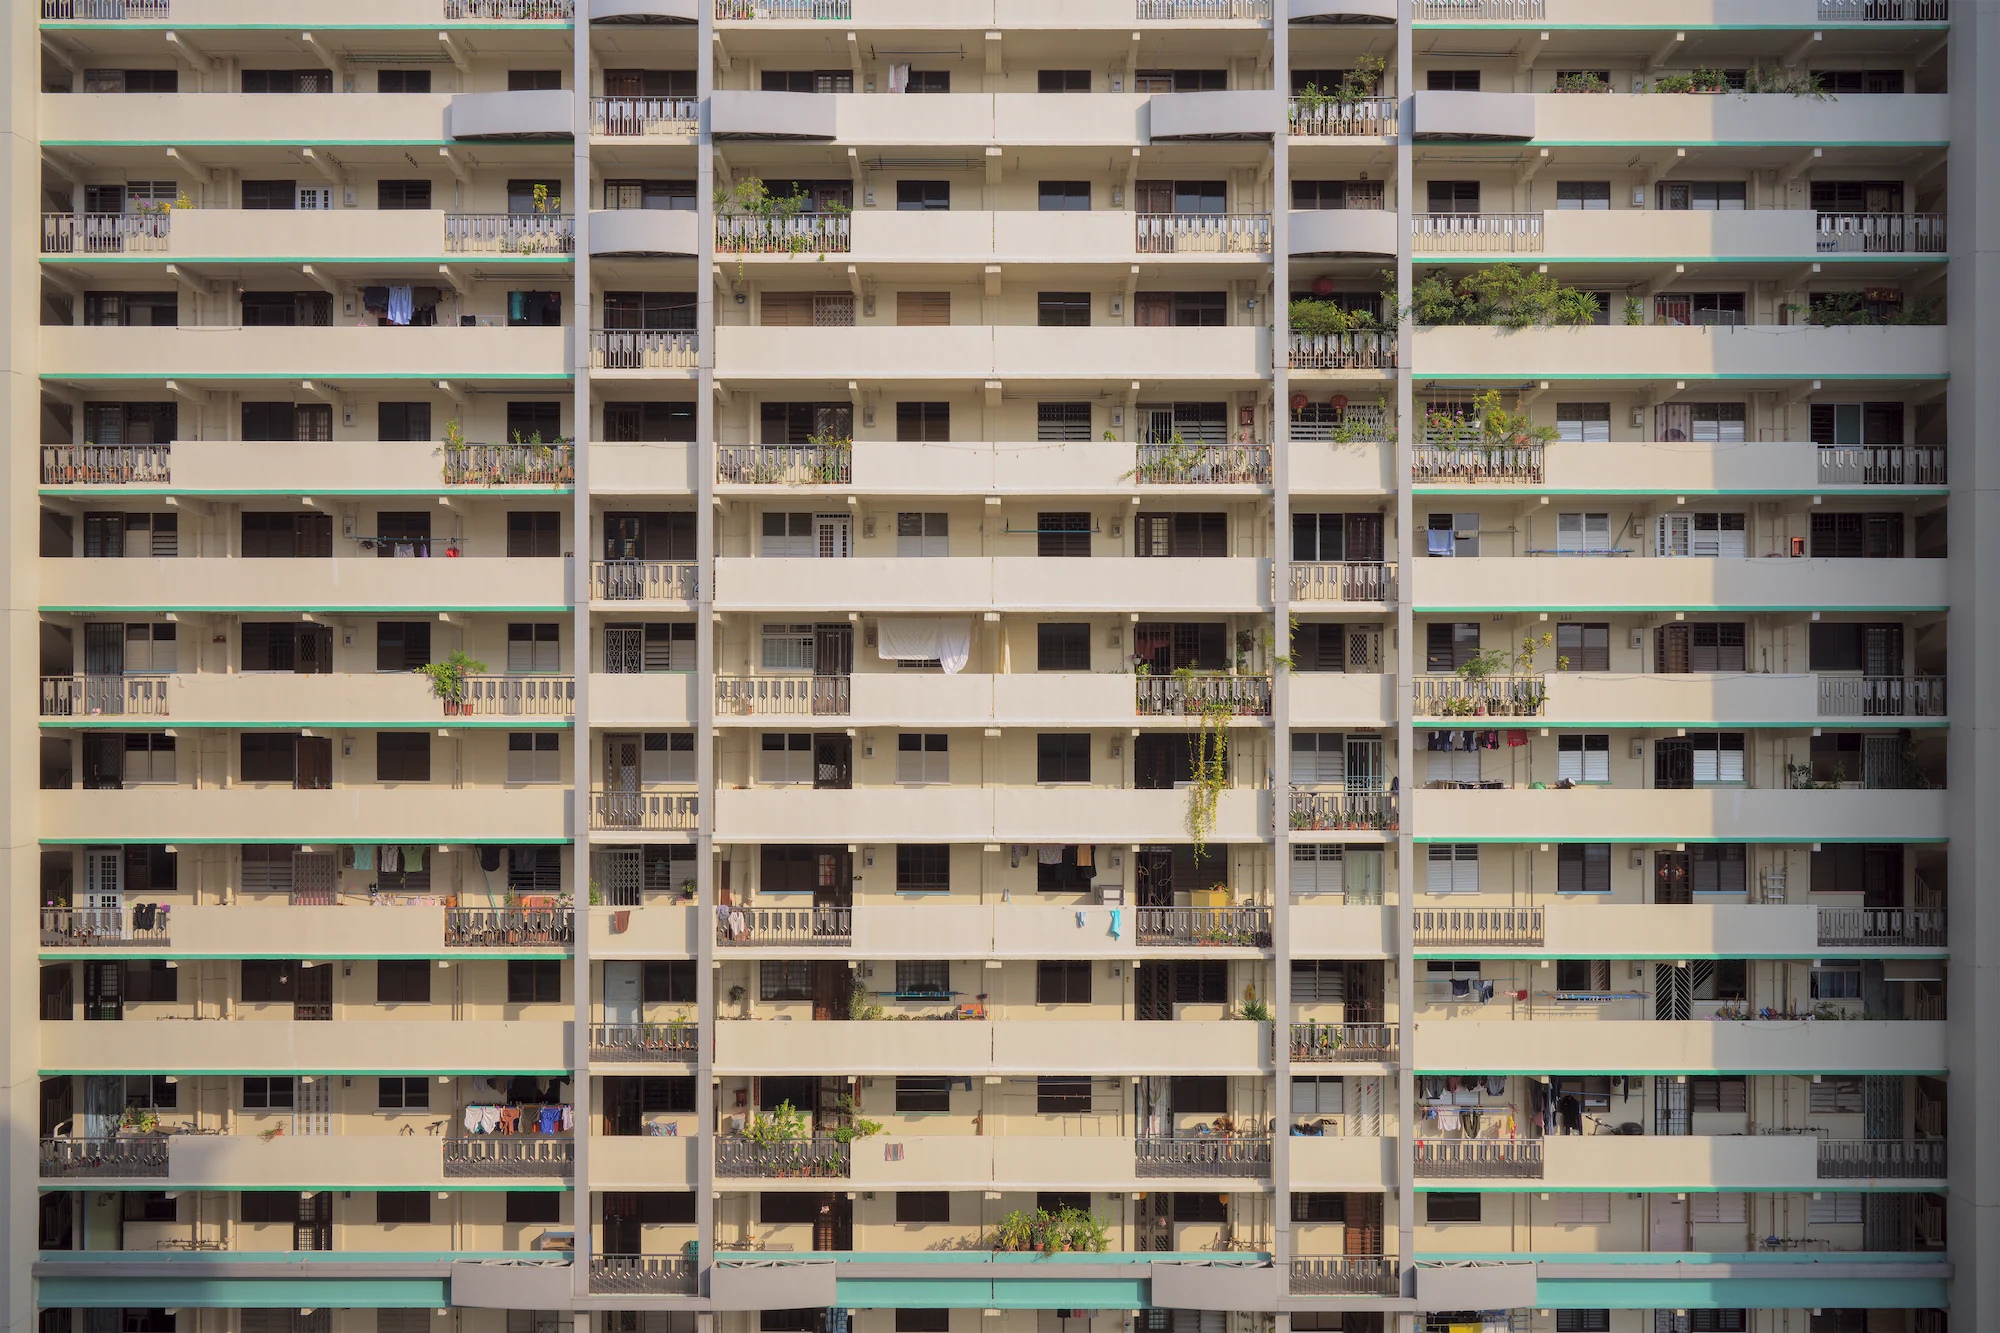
x=1710 y=80
x=1673 y=83
x=1581 y=81
x=449 y=679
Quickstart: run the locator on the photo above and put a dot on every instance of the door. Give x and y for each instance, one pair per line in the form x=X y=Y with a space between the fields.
x=832 y=536
x=1156 y=1221
x=1362 y=1225
x=317 y=198
x=621 y=779
x=1882 y=874
x=1153 y=310
x=624 y=649
x=1362 y=983
x=58 y=1105
x=1673 y=764
x=833 y=879
x=1363 y=1100
x=1670 y=1106
x=621 y=994
x=1668 y=1227
x=103 y=991
x=313 y=1000
x=314 y=770
x=1671 y=883
x=833 y=761
x=103 y=1105
x=834 y=1230
x=832 y=987
x=313 y=877
x=103 y=664
x=1154 y=1001
x=1881 y=763
x=104 y=882
x=314 y=1229
x=833 y=650
x=1154 y=871
x=1882 y=1107
x=621 y=1218
x=1673 y=996
x=621 y=1119
x=1364 y=763
x=313 y=1111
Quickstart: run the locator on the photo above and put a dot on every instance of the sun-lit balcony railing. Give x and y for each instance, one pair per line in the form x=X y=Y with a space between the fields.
x=1203 y=465
x=1479 y=1159
x=643 y=580
x=639 y=1043
x=1343 y=581
x=1336 y=1043
x=1345 y=1275
x=668 y=811
x=782 y=1158
x=1211 y=1156
x=1881 y=696
x=1520 y=927
x=642 y=1275
x=106 y=464
x=1476 y=463
x=105 y=696
x=784 y=464
x=1881 y=233
x=509 y=1155
x=1203 y=10
x=787 y=234
x=509 y=233
x=1478 y=9
x=1202 y=233
x=786 y=927
x=1881 y=1159
x=1884 y=11
x=1333 y=809
x=1195 y=927
x=1882 y=927
x=1881 y=465
x=643 y=349
x=1344 y=351
x=1365 y=117
x=1478 y=696
x=508 y=927
x=516 y=696
x=105 y=233
x=509 y=10
x=96 y=927
x=510 y=464
x=784 y=696
x=142 y=1156
x=1476 y=233
x=1194 y=695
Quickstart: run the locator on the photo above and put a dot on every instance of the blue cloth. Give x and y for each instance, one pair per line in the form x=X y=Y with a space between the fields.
x=548 y=1120
x=1117 y=921
x=399 y=305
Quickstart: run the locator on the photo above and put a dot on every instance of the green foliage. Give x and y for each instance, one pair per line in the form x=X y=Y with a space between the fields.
x=1208 y=763
x=1851 y=310
x=447 y=678
x=786 y=1124
x=1324 y=319
x=1773 y=79
x=1508 y=296
x=860 y=1008
x=1581 y=81
x=1487 y=426
x=1635 y=311
x=1673 y=83
x=853 y=1125
x=1068 y=1230
x=1500 y=662
x=1364 y=80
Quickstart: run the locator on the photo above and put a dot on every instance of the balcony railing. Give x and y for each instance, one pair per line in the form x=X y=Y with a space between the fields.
x=1203 y=465
x=99 y=927
x=1882 y=927
x=509 y=233
x=1881 y=696
x=509 y=10
x=1881 y=465
x=104 y=696
x=784 y=464
x=643 y=349
x=1881 y=233
x=1475 y=463
x=1884 y=11
x=1367 y=117
x=1195 y=927
x=508 y=927
x=783 y=1159
x=1477 y=1159
x=641 y=1274
x=144 y=1156
x=516 y=696
x=645 y=810
x=643 y=580
x=638 y=1043
x=510 y=465
x=1346 y=1275
x=786 y=927
x=644 y=117
x=1245 y=1155
x=790 y=234
x=105 y=233
x=1881 y=1159
x=1326 y=810
x=784 y=696
x=1477 y=9
x=1519 y=926
x=1478 y=696
x=1192 y=696
x=1344 y=351
x=1203 y=233
x=1336 y=1043
x=1358 y=424
x=104 y=9
x=1476 y=233
x=508 y=1155
x=106 y=464
x=1203 y=10
x=1343 y=581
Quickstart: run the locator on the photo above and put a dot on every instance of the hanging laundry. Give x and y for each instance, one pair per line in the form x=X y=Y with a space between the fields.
x=548 y=1120
x=517 y=307
x=1117 y=921
x=375 y=300
x=1496 y=1085
x=489 y=858
x=1438 y=541
x=1085 y=856
x=892 y=1152
x=1461 y=988
x=1470 y=1119
x=364 y=856
x=1050 y=855
x=413 y=855
x=1447 y=1119
x=472 y=1119
x=142 y=916
x=1515 y=738
x=1490 y=740
x=1438 y=740
x=399 y=304
x=390 y=858
x=568 y=1116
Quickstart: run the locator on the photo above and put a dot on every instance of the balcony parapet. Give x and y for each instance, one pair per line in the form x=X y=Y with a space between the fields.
x=1203 y=1156
x=1346 y=1275
x=640 y=1043
x=1344 y=1043
x=508 y=1155
x=1479 y=1159
x=786 y=927
x=142 y=1157
x=828 y=1159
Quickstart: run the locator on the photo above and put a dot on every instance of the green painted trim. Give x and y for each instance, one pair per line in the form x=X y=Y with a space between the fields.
x=1648 y=1293
x=1534 y=1071
x=460 y=258
x=1539 y=257
x=1430 y=609
x=1683 y=143
x=1692 y=376
x=1703 y=724
x=1670 y=837
x=195 y=1292
x=468 y=1072
x=163 y=25
x=85 y=491
x=1525 y=956
x=296 y=607
x=1518 y=25
x=451 y=1186
x=1473 y=1186
x=345 y=377
x=247 y=143
x=994 y=1293
x=1502 y=490
x=166 y=724
x=188 y=956
x=343 y=840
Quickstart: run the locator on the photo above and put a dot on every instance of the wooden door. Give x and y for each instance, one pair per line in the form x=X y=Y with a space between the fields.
x=833 y=878
x=312 y=1001
x=833 y=983
x=1363 y=1225
x=834 y=1229
x=313 y=769
x=1153 y=310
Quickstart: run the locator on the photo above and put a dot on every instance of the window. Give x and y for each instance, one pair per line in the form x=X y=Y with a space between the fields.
x=922 y=536
x=1450 y=1207
x=1452 y=197
x=1062 y=81
x=1065 y=874
x=1719 y=1321
x=1699 y=308
x=923 y=1206
x=923 y=196
x=1063 y=310
x=784 y=979
x=1060 y=981
x=150 y=1206
x=1182 y=310
x=403 y=421
x=534 y=756
x=1583 y=867
x=1337 y=537
x=1585 y=647
x=1837 y=1095
x=1451 y=867
x=1316 y=195
x=923 y=868
x=1452 y=81
x=534 y=533
x=270 y=1207
x=1062 y=535
x=923 y=1092
x=1702 y=196
x=269 y=980
x=262 y=1093
x=1591 y=196
x=287 y=81
x=394 y=1207
x=1582 y=1321
x=1718 y=867
x=667 y=981
x=926 y=81
x=404 y=1094
x=404 y=194
x=1317 y=1096
x=1722 y=1094
x=1836 y=983
x=533 y=80
x=923 y=758
x=1181 y=535
x=1583 y=423
x=1848 y=536
x=785 y=756
x=1180 y=80
x=1583 y=533
x=1318 y=980
x=1718 y=756
x=1583 y=975
x=1202 y=1207
x=1062 y=647
x=403 y=81
x=1062 y=756
x=534 y=1206
x=1200 y=981
x=1721 y=979
x=1062 y=423
x=1313 y=1206
x=808 y=81
x=287 y=421
x=923 y=309
x=1199 y=1094
x=652 y=423
x=1834 y=1210
x=1065 y=196
x=402 y=645
x=402 y=756
x=1876 y=650
x=1447 y=647
x=284 y=536
x=403 y=981
x=1058 y=1094
x=534 y=981
x=1704 y=647
x=1584 y=758
x=923 y=422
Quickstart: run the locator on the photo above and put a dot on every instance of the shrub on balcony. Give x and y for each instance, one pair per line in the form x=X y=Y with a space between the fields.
x=1364 y=80
x=1068 y=1230
x=1324 y=319
x=1581 y=81
x=448 y=678
x=1855 y=310
x=1507 y=296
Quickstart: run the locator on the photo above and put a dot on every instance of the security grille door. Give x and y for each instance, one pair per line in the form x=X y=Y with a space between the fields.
x=1671 y=882
x=1670 y=1106
x=624 y=649
x=314 y=1230
x=1673 y=993
x=621 y=763
x=618 y=871
x=1155 y=1000
x=1882 y=1107
x=313 y=875
x=833 y=650
x=833 y=761
x=312 y=1001
x=1364 y=763
x=1881 y=763
x=313 y=1113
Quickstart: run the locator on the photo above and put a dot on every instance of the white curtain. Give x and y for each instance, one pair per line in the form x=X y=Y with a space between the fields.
x=945 y=639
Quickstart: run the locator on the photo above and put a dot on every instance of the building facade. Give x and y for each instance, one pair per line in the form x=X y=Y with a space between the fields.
x=1394 y=677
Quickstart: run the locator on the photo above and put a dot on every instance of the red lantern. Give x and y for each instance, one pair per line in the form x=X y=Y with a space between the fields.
x=1323 y=287
x=1339 y=402
x=1299 y=401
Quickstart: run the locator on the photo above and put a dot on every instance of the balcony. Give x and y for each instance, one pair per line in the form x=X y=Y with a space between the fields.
x=1673 y=699
x=1732 y=814
x=1717 y=926
x=1346 y=1275
x=1336 y=581
x=1589 y=1043
x=1622 y=233
x=527 y=235
x=1476 y=464
x=515 y=696
x=1364 y=118
x=1334 y=809
x=1237 y=353
x=1478 y=696
x=1204 y=11
x=954 y=813
x=429 y=1047
x=143 y=1157
x=1203 y=465
x=1202 y=696
x=193 y=119
x=1675 y=467
x=104 y=696
x=1446 y=927
x=1881 y=1159
x=786 y=234
x=1475 y=233
x=651 y=1274
x=1344 y=1043
x=512 y=1156
x=510 y=465
x=637 y=811
x=214 y=352
x=1649 y=353
x=644 y=349
x=1000 y=583
x=785 y=464
x=787 y=1159
x=1343 y=351
x=260 y=698
x=225 y=584
x=105 y=233
x=1881 y=696
x=644 y=117
x=784 y=696
x=1636 y=583
x=786 y=927
x=1203 y=1157
x=1341 y=232
x=993 y=1046
x=225 y=467
x=1478 y=1159
x=104 y=927
x=643 y=1043
x=643 y=580
x=1204 y=927
x=409 y=812
x=1202 y=233
x=1882 y=927
x=1750 y=119
x=509 y=928
x=783 y=10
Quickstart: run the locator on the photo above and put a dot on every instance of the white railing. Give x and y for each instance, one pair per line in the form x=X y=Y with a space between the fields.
x=1333 y=809
x=1189 y=696
x=790 y=234
x=841 y=10
x=1357 y=424
x=784 y=696
x=1343 y=351
x=106 y=464
x=1478 y=696
x=510 y=10
x=1346 y=1275
x=641 y=1274
x=90 y=927
x=643 y=580
x=1881 y=233
x=104 y=696
x=1472 y=1159
x=1881 y=465
x=1349 y=1043
x=1366 y=117
x=1881 y=1159
x=784 y=464
x=1204 y=927
x=510 y=1155
x=1884 y=11
x=1881 y=696
x=509 y=233
x=1517 y=926
x=1882 y=927
x=786 y=927
x=644 y=117
x=1203 y=1155
x=516 y=696
x=105 y=233
x=1476 y=462
x=1342 y=581
x=1203 y=465
x=1480 y=233
x=1478 y=9
x=1202 y=233
x=643 y=349
x=1203 y=10
x=105 y=9
x=655 y=811
x=510 y=465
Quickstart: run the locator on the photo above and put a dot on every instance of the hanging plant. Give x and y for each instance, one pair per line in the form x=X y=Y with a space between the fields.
x=448 y=678
x=1209 y=762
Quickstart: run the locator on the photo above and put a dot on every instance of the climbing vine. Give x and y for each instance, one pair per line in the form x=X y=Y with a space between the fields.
x=1209 y=760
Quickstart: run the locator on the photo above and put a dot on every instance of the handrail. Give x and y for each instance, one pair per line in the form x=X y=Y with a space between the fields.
x=783 y=1158
x=667 y=810
x=1335 y=1043
x=638 y=1274
x=508 y=927
x=1881 y=1159
x=1364 y=117
x=1203 y=465
x=1211 y=927
x=1882 y=927
x=643 y=349
x=1881 y=464
x=105 y=696
x=1201 y=233
x=1466 y=1159
x=1204 y=10
x=1476 y=462
x=1482 y=233
x=784 y=464
x=784 y=696
x=1881 y=696
x=644 y=117
x=1522 y=926
x=1478 y=696
x=516 y=696
x=1884 y=11
x=510 y=464
x=670 y=1043
x=143 y=1157
x=1880 y=233
x=841 y=10
x=1327 y=810
x=1343 y=581
x=1190 y=696
x=1345 y=1275
x=106 y=464
x=643 y=580
x=1366 y=350
x=510 y=233
x=509 y=1155
x=98 y=927
x=1202 y=1155
x=1478 y=9
x=811 y=927
x=106 y=233
x=526 y=10
x=784 y=234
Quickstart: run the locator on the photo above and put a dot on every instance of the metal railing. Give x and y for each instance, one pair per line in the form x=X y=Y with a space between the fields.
x=784 y=696
x=1343 y=581
x=1476 y=233
x=1203 y=10
x=1469 y=1159
x=93 y=927
x=1881 y=696
x=789 y=234
x=640 y=1274
x=643 y=580
x=665 y=810
x=784 y=9
x=105 y=233
x=508 y=1155
x=510 y=464
x=636 y=1043
x=1881 y=233
x=1883 y=927
x=1478 y=696
x=788 y=1159
x=644 y=117
x=1335 y=1043
x=142 y=1157
x=1881 y=465
x=1884 y=11
x=1521 y=926
x=1346 y=1275
x=506 y=927
x=1478 y=9
x=104 y=696
x=509 y=233
x=1881 y=1159
x=1314 y=810
x=1203 y=465
x=1245 y=1155
x=643 y=349
x=1364 y=117
x=784 y=464
x=1476 y=462
x=516 y=696
x=106 y=464
x=1202 y=233
x=1344 y=351
x=1194 y=927
x=104 y=9
x=509 y=9
x=789 y=927
x=1189 y=696
x=1358 y=424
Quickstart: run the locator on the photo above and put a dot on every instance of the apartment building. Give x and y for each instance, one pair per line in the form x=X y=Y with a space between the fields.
x=626 y=740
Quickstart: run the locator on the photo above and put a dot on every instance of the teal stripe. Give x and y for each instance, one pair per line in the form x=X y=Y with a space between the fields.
x=343 y=839
x=1524 y=956
x=1643 y=375
x=344 y=376
x=1913 y=1293
x=1501 y=491
x=1539 y=142
x=1427 y=608
x=1517 y=25
x=1584 y=1257
x=161 y=25
x=481 y=258
x=149 y=607
x=238 y=1293
x=1596 y=724
x=137 y=723
x=1539 y=257
x=468 y=1072
x=1619 y=1071
x=1666 y=837
x=85 y=490
x=984 y=1294
x=453 y=955
x=524 y=1186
